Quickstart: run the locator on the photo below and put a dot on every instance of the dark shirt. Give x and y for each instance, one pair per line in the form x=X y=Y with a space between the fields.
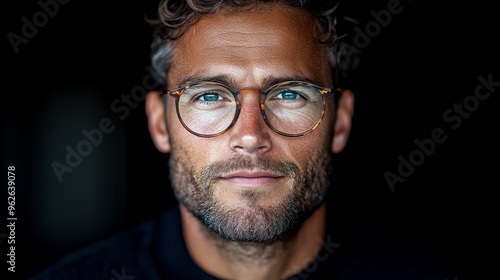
x=156 y=250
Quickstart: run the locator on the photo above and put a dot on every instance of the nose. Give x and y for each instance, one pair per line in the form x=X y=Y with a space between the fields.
x=250 y=134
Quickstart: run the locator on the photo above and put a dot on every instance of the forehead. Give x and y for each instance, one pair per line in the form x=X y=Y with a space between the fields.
x=250 y=45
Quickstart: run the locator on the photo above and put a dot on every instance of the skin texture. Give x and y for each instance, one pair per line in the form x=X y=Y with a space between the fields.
x=250 y=49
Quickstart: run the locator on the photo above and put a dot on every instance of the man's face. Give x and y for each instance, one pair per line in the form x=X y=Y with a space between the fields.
x=250 y=184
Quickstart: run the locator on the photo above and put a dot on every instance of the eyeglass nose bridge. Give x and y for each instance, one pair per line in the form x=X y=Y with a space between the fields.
x=237 y=94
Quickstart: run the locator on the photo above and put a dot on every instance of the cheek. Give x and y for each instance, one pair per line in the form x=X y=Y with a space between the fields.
x=301 y=150
x=180 y=141
x=195 y=151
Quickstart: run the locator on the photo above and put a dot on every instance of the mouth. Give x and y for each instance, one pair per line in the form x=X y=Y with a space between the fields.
x=251 y=178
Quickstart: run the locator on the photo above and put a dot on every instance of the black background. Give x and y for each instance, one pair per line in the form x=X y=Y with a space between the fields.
x=424 y=61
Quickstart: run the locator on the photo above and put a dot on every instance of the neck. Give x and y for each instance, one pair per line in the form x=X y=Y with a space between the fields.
x=234 y=260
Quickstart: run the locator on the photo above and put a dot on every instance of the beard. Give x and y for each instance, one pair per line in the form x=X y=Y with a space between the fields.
x=254 y=222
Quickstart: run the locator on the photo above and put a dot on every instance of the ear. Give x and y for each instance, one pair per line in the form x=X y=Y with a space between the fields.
x=156 y=121
x=345 y=110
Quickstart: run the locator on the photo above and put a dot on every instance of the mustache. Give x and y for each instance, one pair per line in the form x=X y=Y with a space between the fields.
x=220 y=168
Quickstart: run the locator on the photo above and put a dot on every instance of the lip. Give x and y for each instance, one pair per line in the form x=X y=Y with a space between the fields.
x=250 y=174
x=251 y=178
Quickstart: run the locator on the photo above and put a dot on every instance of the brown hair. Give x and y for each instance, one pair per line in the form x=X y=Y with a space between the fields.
x=175 y=16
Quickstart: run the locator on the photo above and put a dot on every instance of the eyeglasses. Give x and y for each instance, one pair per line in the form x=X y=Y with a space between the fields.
x=208 y=109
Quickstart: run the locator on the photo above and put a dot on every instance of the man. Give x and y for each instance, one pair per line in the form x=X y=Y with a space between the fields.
x=251 y=115
x=249 y=168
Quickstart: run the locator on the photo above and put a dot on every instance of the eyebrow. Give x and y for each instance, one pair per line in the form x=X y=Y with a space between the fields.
x=272 y=80
x=221 y=79
x=230 y=81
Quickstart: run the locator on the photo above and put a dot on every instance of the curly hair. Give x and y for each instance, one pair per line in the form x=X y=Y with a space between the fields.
x=176 y=16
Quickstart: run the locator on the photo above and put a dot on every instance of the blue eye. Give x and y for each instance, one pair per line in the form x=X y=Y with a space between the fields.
x=210 y=97
x=288 y=95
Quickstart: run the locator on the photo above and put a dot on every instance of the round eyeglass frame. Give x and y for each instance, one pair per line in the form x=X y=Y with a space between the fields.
x=324 y=91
